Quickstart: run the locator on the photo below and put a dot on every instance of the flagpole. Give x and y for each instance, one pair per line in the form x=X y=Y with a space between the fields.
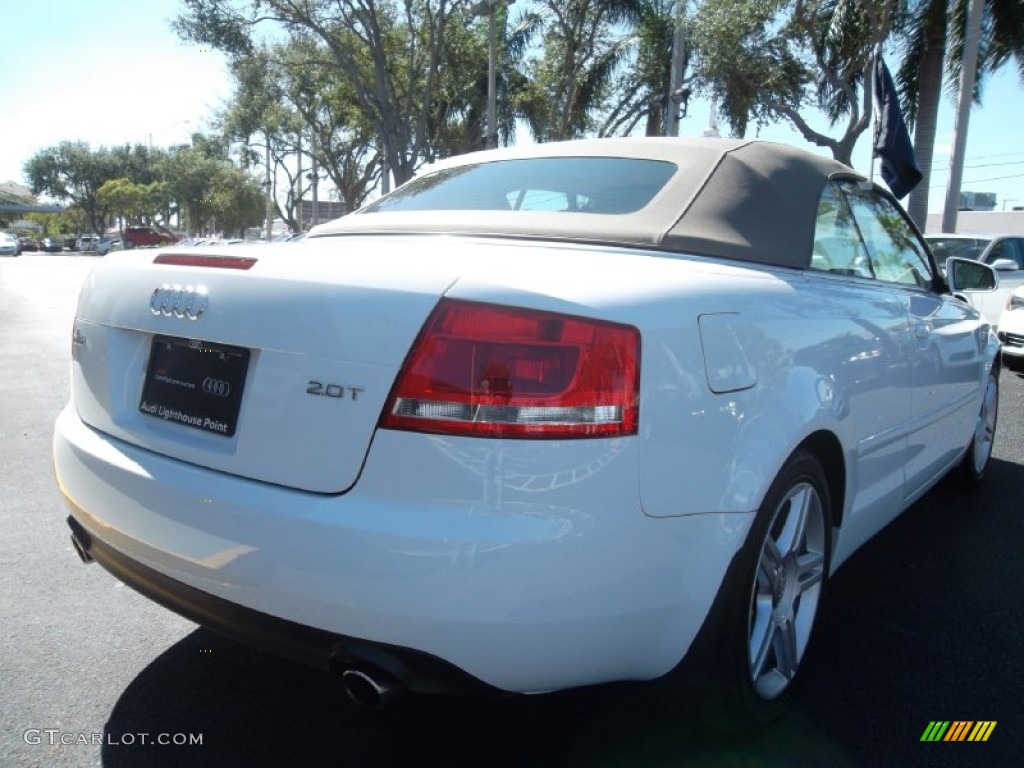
x=872 y=106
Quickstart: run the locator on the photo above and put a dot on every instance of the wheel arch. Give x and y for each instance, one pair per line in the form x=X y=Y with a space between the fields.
x=827 y=449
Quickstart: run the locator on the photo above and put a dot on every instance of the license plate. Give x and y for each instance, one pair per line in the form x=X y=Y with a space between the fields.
x=195 y=383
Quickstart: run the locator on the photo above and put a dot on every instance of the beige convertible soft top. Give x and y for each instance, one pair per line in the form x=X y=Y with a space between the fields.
x=749 y=200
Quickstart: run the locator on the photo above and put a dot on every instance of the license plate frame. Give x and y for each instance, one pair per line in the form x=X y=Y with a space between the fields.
x=195 y=383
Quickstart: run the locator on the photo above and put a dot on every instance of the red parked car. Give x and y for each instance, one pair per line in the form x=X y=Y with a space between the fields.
x=136 y=236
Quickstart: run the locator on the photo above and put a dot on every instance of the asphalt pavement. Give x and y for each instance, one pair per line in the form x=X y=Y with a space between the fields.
x=925 y=623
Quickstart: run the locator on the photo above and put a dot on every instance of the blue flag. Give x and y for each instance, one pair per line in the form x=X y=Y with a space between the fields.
x=892 y=141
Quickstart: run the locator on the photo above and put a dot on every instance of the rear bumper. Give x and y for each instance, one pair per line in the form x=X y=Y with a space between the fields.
x=416 y=671
x=522 y=566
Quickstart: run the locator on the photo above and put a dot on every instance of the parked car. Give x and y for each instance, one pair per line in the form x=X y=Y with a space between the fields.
x=135 y=237
x=1005 y=253
x=540 y=418
x=71 y=243
x=9 y=245
x=1011 y=331
x=28 y=243
x=87 y=243
x=984 y=248
x=52 y=245
x=108 y=244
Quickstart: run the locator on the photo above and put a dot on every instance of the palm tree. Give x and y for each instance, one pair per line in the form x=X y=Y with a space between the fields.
x=933 y=53
x=574 y=75
x=643 y=87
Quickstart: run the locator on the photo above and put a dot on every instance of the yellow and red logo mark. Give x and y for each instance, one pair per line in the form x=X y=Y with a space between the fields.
x=959 y=730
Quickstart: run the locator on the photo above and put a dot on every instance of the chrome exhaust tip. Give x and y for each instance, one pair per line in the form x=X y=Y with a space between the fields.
x=368 y=689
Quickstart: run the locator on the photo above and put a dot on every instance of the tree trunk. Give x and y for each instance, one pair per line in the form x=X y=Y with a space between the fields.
x=929 y=82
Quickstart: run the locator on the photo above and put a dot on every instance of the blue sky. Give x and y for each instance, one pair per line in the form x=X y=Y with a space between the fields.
x=110 y=72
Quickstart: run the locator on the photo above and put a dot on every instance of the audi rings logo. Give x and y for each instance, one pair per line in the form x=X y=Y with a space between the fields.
x=182 y=303
x=218 y=387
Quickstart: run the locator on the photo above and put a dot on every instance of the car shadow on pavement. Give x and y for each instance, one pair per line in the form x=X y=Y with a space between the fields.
x=923 y=623
x=254 y=710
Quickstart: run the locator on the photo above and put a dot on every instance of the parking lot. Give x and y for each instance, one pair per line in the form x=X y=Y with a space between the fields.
x=925 y=623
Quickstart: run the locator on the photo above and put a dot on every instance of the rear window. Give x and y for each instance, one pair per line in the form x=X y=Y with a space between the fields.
x=607 y=185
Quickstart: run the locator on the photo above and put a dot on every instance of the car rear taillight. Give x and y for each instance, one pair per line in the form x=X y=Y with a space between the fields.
x=492 y=371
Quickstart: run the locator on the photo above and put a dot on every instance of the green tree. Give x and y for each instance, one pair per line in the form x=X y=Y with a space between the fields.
x=72 y=172
x=643 y=87
x=124 y=199
x=771 y=60
x=210 y=191
x=572 y=79
x=933 y=44
x=392 y=55
x=238 y=201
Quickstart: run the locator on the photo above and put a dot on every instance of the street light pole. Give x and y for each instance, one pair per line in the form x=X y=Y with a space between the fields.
x=491 y=140
x=675 y=78
x=270 y=191
x=489 y=8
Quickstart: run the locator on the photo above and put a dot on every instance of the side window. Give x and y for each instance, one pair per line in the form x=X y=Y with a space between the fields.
x=897 y=256
x=1012 y=250
x=837 y=245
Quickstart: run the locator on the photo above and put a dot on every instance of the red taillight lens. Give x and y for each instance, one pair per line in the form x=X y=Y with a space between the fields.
x=480 y=369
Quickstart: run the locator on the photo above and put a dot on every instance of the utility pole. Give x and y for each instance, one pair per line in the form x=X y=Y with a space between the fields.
x=316 y=179
x=491 y=140
x=489 y=8
x=675 y=76
x=968 y=71
x=270 y=206
x=299 y=180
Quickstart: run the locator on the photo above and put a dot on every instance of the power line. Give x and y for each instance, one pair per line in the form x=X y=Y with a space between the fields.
x=997 y=178
x=982 y=165
x=981 y=181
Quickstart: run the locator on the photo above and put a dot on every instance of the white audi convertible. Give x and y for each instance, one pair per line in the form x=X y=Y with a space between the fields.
x=540 y=418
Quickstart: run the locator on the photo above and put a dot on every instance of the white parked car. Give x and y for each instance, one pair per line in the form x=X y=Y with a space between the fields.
x=9 y=245
x=540 y=418
x=1004 y=253
x=1011 y=331
x=88 y=243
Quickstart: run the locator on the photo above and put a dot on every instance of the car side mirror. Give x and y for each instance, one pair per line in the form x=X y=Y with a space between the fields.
x=970 y=275
x=1004 y=265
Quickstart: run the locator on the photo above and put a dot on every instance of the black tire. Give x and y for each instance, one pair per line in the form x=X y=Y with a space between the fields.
x=976 y=460
x=129 y=244
x=765 y=603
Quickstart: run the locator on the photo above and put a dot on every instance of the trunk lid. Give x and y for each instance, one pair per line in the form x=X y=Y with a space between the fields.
x=305 y=345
